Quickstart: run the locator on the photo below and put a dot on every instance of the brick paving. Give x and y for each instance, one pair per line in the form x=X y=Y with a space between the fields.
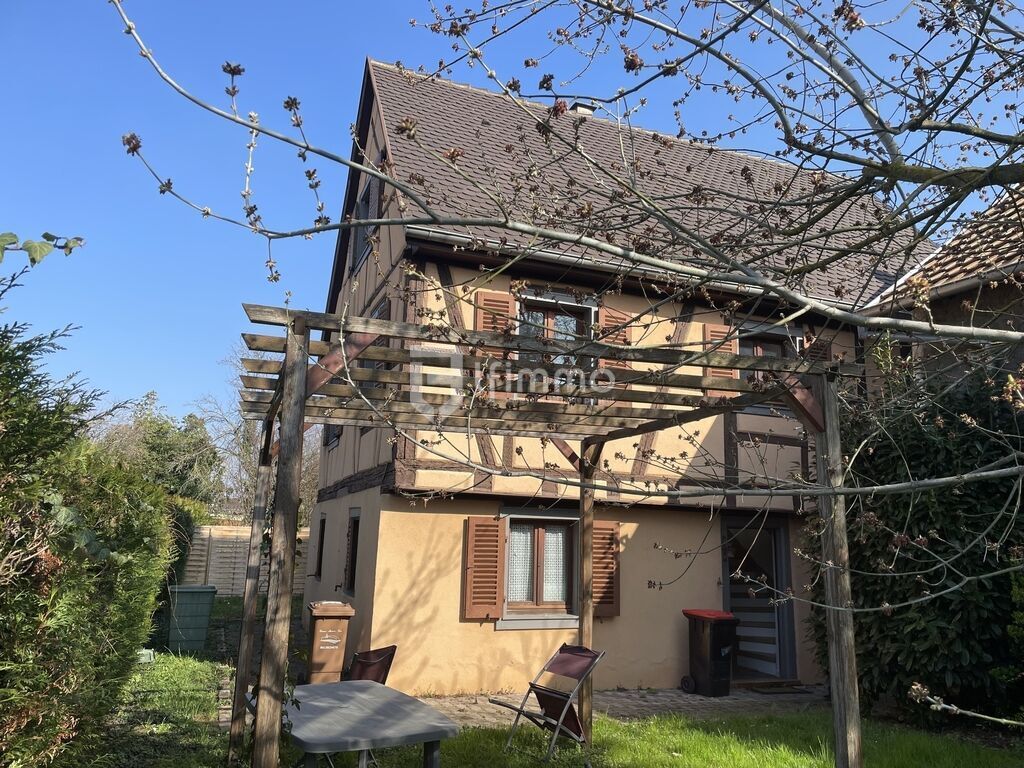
x=476 y=711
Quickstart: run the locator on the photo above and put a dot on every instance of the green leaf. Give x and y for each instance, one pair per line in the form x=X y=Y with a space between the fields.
x=48 y=237
x=71 y=243
x=36 y=251
x=7 y=238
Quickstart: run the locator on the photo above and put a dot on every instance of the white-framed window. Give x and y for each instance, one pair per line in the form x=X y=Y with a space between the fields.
x=540 y=576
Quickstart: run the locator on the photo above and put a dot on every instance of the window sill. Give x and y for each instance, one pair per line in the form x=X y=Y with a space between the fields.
x=538 y=621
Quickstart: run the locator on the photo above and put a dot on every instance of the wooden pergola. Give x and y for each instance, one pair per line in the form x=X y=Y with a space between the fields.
x=298 y=393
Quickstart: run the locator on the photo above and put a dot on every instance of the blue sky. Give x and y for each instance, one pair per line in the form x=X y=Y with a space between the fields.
x=157 y=290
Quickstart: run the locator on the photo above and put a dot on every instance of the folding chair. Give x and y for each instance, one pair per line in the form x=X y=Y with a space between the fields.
x=372 y=665
x=557 y=713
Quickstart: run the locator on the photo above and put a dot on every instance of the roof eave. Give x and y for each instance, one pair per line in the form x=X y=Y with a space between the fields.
x=434 y=235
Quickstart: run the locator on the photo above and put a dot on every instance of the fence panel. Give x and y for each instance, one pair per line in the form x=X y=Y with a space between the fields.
x=218 y=557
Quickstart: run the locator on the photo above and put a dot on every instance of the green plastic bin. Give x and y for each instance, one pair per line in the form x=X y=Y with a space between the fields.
x=189 y=617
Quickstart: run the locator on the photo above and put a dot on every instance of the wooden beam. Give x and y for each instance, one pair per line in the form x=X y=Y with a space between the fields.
x=324 y=369
x=250 y=596
x=588 y=468
x=531 y=344
x=274 y=663
x=364 y=417
x=400 y=404
x=842 y=646
x=564 y=449
x=526 y=408
x=660 y=377
x=805 y=406
x=689 y=392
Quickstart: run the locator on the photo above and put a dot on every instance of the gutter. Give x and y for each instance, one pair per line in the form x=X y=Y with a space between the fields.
x=431 y=234
x=949 y=289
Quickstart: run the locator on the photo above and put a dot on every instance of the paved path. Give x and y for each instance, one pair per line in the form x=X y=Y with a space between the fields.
x=628 y=705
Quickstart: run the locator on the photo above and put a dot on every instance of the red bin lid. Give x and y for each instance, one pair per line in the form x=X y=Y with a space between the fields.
x=709 y=615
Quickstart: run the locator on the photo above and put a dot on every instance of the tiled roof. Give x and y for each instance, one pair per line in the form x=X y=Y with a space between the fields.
x=986 y=248
x=729 y=198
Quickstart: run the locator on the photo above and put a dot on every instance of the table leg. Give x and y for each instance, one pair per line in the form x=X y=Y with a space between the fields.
x=364 y=759
x=432 y=754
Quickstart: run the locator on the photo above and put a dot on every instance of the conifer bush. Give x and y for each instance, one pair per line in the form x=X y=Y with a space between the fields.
x=83 y=549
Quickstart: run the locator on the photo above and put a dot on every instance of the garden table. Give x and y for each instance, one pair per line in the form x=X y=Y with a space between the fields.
x=360 y=715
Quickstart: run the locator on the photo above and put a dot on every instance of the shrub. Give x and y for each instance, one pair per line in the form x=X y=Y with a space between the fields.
x=954 y=636
x=83 y=549
x=72 y=621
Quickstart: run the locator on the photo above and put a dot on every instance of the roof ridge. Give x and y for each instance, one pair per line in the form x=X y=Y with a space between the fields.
x=401 y=69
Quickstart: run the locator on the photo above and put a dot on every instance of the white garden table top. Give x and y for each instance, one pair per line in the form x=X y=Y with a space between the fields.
x=360 y=715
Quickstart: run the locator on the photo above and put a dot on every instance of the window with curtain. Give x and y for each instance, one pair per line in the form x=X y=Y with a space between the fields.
x=540 y=566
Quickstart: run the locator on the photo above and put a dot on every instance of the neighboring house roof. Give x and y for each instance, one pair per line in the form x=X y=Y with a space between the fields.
x=987 y=248
x=501 y=154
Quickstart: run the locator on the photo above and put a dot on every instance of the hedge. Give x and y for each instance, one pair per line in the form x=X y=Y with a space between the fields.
x=73 y=619
x=955 y=639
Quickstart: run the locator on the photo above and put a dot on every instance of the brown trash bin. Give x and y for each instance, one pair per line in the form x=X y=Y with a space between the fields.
x=328 y=631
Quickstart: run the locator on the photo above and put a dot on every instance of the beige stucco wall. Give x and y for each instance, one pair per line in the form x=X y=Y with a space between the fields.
x=336 y=513
x=417 y=603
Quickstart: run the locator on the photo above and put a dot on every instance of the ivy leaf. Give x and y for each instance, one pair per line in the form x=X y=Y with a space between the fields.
x=71 y=243
x=49 y=237
x=7 y=238
x=36 y=250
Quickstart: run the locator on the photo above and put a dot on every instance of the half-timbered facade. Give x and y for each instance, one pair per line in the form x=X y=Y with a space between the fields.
x=459 y=547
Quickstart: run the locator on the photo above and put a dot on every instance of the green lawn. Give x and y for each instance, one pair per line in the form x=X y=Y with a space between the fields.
x=786 y=741
x=170 y=712
x=168 y=720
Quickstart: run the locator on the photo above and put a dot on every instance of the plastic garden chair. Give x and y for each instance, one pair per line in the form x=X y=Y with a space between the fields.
x=557 y=713
x=372 y=665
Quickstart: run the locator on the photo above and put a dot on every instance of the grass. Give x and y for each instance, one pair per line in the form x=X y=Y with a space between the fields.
x=169 y=719
x=227 y=608
x=777 y=741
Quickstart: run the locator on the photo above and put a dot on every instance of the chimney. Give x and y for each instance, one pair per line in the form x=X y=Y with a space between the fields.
x=582 y=107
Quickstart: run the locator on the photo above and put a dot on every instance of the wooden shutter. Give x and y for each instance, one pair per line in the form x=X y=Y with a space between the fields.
x=608 y=318
x=483 y=576
x=606 y=568
x=494 y=311
x=716 y=339
x=818 y=351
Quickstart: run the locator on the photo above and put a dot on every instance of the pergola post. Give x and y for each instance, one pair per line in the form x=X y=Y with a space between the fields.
x=274 y=662
x=588 y=466
x=842 y=651
x=246 y=640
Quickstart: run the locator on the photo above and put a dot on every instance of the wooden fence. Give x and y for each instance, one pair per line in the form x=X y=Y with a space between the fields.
x=218 y=557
